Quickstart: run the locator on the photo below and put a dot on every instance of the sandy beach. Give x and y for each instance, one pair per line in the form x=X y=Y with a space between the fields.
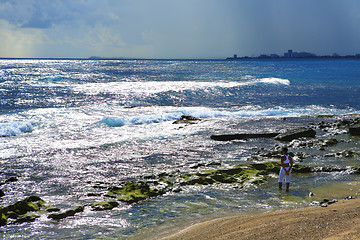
x=340 y=220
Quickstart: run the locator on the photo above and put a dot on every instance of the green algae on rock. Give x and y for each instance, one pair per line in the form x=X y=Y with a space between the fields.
x=19 y=210
x=27 y=217
x=108 y=205
x=133 y=192
x=255 y=173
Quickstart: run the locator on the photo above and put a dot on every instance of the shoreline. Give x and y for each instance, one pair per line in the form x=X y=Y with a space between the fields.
x=340 y=220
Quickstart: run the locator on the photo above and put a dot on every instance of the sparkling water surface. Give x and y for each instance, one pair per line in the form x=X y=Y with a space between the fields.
x=67 y=125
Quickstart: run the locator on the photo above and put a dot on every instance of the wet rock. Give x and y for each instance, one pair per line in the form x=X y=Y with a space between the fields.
x=11 y=179
x=328 y=169
x=332 y=201
x=315 y=203
x=297 y=168
x=330 y=155
x=52 y=209
x=73 y=211
x=198 y=165
x=101 y=206
x=58 y=216
x=355 y=130
x=32 y=203
x=356 y=170
x=212 y=164
x=255 y=173
x=3 y=220
x=187 y=120
x=311 y=194
x=267 y=167
x=197 y=180
x=28 y=217
x=68 y=213
x=94 y=194
x=178 y=189
x=12 y=215
x=133 y=192
x=330 y=142
x=347 y=153
x=230 y=137
x=296 y=133
x=29 y=204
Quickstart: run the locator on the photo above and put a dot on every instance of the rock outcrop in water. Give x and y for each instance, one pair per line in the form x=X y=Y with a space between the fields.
x=229 y=137
x=133 y=192
x=187 y=120
x=101 y=206
x=355 y=130
x=22 y=211
x=67 y=213
x=289 y=135
x=243 y=175
x=296 y=133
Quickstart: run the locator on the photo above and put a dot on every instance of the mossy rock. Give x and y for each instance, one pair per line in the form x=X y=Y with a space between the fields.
x=254 y=173
x=133 y=192
x=74 y=210
x=53 y=209
x=12 y=215
x=330 y=142
x=200 y=181
x=223 y=178
x=297 y=168
x=267 y=167
x=29 y=204
x=28 y=217
x=108 y=205
x=3 y=220
x=58 y=216
x=67 y=213
x=238 y=174
x=356 y=170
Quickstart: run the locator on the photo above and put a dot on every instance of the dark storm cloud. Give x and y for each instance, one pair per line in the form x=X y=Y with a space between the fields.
x=174 y=28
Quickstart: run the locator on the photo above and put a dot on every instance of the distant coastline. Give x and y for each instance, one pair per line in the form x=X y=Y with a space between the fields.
x=290 y=54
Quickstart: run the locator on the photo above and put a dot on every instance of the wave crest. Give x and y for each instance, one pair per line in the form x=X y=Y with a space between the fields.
x=15 y=128
x=276 y=81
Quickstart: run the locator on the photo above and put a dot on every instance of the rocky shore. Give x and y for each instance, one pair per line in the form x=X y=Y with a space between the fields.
x=263 y=165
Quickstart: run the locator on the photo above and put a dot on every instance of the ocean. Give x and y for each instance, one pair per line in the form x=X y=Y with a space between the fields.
x=68 y=127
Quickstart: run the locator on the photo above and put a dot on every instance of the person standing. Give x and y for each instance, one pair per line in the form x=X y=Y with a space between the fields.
x=286 y=166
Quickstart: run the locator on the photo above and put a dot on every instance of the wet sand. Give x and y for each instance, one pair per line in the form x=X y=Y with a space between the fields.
x=340 y=220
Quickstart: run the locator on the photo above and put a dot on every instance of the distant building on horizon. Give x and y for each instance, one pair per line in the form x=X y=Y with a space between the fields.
x=290 y=54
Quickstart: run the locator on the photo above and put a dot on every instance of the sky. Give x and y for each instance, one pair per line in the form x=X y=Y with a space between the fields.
x=177 y=28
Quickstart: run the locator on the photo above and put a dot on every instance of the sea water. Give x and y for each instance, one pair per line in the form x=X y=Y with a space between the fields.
x=67 y=125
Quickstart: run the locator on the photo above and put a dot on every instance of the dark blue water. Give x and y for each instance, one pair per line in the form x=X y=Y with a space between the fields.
x=65 y=125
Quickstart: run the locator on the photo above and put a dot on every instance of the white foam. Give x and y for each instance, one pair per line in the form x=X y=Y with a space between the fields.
x=14 y=128
x=203 y=113
x=276 y=81
x=153 y=87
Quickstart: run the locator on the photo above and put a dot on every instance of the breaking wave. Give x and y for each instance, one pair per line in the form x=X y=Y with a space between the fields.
x=203 y=113
x=15 y=128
